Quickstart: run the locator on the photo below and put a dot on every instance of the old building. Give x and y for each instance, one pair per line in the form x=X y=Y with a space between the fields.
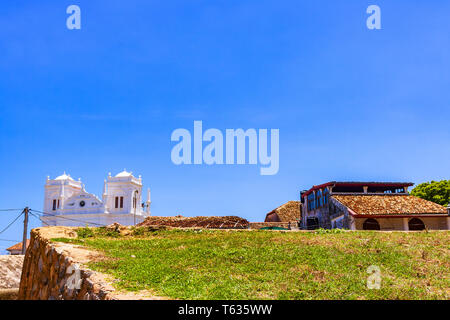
x=370 y=206
x=288 y=212
x=17 y=248
x=67 y=203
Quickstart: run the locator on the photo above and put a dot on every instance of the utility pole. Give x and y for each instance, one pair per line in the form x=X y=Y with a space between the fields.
x=25 y=229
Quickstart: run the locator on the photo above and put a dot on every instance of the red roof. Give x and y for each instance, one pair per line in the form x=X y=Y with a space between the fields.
x=18 y=246
x=389 y=204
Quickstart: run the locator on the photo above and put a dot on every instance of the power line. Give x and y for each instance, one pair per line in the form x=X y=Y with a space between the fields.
x=9 y=225
x=10 y=209
x=59 y=216
x=39 y=218
x=8 y=240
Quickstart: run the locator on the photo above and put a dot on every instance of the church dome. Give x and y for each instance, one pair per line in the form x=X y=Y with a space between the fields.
x=123 y=174
x=64 y=176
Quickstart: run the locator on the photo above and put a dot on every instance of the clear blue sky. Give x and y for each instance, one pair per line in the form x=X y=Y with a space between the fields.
x=350 y=103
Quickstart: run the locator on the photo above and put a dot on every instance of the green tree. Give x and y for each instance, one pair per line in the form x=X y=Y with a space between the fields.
x=436 y=191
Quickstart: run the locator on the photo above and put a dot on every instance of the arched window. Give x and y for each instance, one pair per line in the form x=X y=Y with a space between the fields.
x=371 y=224
x=135 y=199
x=416 y=224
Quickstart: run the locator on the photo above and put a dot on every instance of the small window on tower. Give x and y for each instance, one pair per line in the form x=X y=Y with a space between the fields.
x=117 y=202
x=58 y=203
x=54 y=204
x=121 y=202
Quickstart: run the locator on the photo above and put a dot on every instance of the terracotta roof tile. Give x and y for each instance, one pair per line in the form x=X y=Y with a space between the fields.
x=18 y=246
x=290 y=211
x=389 y=204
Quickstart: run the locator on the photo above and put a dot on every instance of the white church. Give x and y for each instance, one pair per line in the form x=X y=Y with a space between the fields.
x=67 y=203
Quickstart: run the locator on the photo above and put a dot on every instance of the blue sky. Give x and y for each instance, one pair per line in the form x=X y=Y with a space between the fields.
x=350 y=103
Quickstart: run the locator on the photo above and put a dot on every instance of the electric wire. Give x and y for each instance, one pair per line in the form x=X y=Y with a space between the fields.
x=62 y=217
x=12 y=222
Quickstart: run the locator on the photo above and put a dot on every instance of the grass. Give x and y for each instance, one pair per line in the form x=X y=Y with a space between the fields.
x=216 y=264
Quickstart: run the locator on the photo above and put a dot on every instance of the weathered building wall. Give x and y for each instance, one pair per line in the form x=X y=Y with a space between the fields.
x=387 y=224
x=440 y=223
x=401 y=224
x=332 y=215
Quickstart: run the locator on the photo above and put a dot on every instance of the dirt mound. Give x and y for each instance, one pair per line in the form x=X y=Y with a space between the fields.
x=226 y=222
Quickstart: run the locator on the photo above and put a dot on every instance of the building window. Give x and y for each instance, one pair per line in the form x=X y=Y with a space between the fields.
x=311 y=202
x=325 y=196
x=116 y=205
x=54 y=204
x=135 y=199
x=416 y=224
x=371 y=224
x=121 y=202
x=319 y=199
x=312 y=223
x=58 y=203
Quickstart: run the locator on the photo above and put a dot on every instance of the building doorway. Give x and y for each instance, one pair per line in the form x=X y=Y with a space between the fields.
x=371 y=224
x=312 y=223
x=416 y=224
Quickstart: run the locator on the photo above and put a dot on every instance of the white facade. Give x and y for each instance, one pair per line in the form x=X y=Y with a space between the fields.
x=67 y=203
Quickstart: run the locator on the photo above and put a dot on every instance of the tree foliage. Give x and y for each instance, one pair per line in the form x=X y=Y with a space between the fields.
x=436 y=191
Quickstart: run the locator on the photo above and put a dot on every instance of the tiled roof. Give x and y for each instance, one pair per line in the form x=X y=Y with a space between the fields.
x=290 y=211
x=389 y=204
x=18 y=246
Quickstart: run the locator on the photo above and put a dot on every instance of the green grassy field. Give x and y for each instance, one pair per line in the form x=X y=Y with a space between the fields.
x=209 y=264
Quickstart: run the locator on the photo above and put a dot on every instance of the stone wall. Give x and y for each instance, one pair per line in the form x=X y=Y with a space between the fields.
x=55 y=271
x=58 y=271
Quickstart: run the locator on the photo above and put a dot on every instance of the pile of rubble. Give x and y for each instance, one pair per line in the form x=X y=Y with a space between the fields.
x=226 y=222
